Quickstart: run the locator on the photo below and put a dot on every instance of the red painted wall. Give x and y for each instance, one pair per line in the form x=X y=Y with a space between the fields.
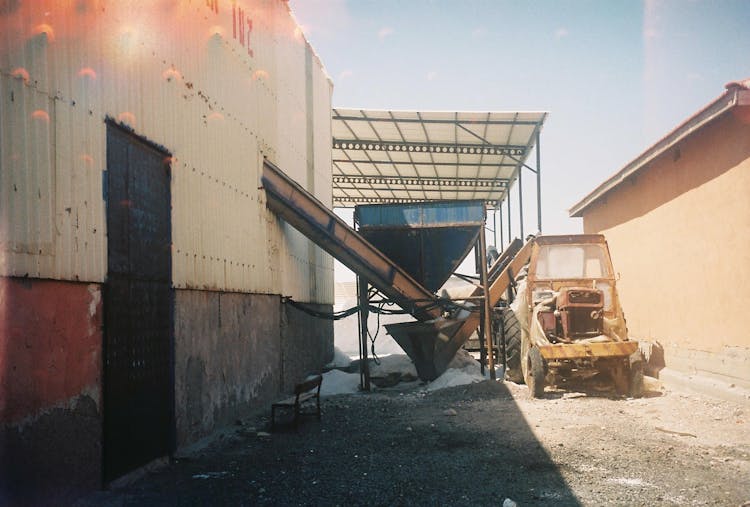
x=50 y=344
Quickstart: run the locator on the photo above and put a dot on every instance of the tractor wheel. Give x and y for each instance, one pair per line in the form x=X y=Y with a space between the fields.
x=535 y=373
x=635 y=384
x=512 y=330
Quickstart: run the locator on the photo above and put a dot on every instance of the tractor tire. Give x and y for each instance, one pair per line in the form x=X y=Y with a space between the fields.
x=535 y=373
x=512 y=331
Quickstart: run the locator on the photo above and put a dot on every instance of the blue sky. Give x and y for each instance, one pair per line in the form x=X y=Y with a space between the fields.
x=614 y=75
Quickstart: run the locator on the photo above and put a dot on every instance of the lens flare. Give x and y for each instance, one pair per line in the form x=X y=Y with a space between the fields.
x=40 y=114
x=87 y=72
x=46 y=29
x=170 y=74
x=127 y=118
x=21 y=73
x=260 y=74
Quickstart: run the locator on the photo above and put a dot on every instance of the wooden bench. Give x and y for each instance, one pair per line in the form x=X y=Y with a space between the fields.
x=303 y=392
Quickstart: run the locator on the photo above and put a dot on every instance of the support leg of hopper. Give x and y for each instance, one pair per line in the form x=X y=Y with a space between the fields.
x=364 y=314
x=487 y=305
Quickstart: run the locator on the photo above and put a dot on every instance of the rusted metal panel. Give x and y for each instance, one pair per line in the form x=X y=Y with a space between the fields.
x=588 y=350
x=219 y=85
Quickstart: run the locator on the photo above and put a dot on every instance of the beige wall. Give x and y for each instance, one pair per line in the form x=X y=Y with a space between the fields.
x=679 y=233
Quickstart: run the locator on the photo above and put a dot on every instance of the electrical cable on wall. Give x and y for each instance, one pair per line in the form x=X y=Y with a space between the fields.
x=378 y=307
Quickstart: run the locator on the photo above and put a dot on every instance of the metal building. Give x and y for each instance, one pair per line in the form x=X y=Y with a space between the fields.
x=141 y=272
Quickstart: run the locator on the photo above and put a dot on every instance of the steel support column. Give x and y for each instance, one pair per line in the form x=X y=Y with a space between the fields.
x=510 y=229
x=494 y=228
x=487 y=307
x=364 y=314
x=502 y=237
x=520 y=199
x=538 y=186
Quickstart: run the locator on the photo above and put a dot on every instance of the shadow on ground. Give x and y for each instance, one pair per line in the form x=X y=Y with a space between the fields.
x=466 y=445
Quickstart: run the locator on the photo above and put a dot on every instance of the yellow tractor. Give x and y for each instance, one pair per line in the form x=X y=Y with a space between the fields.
x=565 y=322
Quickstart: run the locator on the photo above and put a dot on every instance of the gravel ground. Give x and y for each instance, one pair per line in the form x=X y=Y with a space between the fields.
x=471 y=445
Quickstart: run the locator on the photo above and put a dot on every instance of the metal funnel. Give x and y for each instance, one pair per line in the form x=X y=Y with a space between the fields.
x=431 y=345
x=428 y=240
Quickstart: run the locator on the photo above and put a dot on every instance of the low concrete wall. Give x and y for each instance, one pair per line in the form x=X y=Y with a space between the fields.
x=50 y=377
x=227 y=358
x=306 y=343
x=53 y=458
x=730 y=365
x=236 y=353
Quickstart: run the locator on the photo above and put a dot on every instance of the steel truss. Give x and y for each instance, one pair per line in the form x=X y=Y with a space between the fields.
x=468 y=183
x=411 y=147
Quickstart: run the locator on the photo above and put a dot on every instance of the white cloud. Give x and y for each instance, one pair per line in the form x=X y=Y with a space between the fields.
x=384 y=32
x=432 y=75
x=345 y=74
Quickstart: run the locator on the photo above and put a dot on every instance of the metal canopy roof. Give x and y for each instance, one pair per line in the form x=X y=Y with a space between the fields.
x=411 y=156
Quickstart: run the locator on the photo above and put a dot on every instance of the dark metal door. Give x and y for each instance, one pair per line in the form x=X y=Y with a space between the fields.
x=138 y=347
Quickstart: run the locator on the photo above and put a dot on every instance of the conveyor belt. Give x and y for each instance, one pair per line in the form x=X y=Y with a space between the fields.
x=312 y=218
x=501 y=276
x=432 y=343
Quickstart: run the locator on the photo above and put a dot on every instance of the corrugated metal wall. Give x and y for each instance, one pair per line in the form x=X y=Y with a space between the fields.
x=219 y=84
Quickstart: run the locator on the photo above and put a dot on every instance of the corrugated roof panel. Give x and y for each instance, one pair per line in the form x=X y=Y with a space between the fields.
x=442 y=144
x=412 y=131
